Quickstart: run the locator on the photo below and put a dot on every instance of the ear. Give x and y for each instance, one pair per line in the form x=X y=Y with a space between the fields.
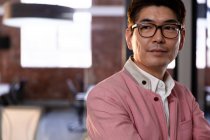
x=182 y=39
x=128 y=36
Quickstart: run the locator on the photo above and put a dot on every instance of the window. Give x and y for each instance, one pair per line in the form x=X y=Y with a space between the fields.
x=201 y=43
x=203 y=32
x=58 y=45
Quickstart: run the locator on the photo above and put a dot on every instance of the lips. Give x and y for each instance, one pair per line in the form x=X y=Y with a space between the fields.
x=158 y=49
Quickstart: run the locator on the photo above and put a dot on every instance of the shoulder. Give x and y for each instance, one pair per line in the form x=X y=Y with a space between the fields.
x=111 y=88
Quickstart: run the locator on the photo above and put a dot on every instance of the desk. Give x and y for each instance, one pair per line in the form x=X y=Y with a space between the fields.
x=4 y=89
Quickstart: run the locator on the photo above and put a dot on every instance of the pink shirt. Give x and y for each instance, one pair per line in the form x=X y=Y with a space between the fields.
x=120 y=108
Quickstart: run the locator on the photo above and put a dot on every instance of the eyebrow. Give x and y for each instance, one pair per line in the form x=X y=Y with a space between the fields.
x=166 y=21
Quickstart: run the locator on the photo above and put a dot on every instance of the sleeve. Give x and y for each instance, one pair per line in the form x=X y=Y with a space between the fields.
x=201 y=127
x=107 y=119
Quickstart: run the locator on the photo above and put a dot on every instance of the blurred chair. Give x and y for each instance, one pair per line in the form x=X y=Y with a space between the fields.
x=78 y=104
x=207 y=99
x=19 y=122
x=15 y=94
x=4 y=92
x=17 y=91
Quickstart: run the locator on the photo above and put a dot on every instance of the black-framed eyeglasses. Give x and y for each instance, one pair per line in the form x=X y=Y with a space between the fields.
x=148 y=29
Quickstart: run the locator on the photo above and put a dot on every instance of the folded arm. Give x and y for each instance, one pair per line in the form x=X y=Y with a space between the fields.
x=201 y=128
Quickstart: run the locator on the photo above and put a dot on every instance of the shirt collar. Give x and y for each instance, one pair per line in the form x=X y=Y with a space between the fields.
x=133 y=69
x=147 y=80
x=154 y=81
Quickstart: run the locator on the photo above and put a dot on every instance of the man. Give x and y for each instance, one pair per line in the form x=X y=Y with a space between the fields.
x=142 y=101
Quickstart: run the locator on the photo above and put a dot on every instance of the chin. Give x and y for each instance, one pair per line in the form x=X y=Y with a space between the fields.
x=159 y=65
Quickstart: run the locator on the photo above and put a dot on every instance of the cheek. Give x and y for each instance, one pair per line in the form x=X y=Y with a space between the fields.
x=139 y=51
x=175 y=50
x=138 y=47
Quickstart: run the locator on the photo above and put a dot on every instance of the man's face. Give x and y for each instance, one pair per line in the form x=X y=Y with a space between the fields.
x=154 y=52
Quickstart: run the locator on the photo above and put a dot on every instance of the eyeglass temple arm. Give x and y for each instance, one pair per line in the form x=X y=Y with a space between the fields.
x=134 y=26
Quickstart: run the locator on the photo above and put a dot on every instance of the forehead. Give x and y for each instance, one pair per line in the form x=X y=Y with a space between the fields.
x=156 y=14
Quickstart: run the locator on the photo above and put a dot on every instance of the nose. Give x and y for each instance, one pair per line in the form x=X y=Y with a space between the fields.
x=158 y=36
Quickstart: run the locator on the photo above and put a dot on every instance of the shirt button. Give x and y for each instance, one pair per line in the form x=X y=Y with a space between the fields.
x=156 y=99
x=144 y=82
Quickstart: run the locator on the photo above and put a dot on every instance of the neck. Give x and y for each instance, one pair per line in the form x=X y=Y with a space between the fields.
x=156 y=71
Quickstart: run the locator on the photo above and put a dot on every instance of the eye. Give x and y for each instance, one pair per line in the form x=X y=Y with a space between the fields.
x=146 y=27
x=170 y=27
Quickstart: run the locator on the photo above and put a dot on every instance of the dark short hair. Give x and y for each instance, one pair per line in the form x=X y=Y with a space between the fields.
x=177 y=6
